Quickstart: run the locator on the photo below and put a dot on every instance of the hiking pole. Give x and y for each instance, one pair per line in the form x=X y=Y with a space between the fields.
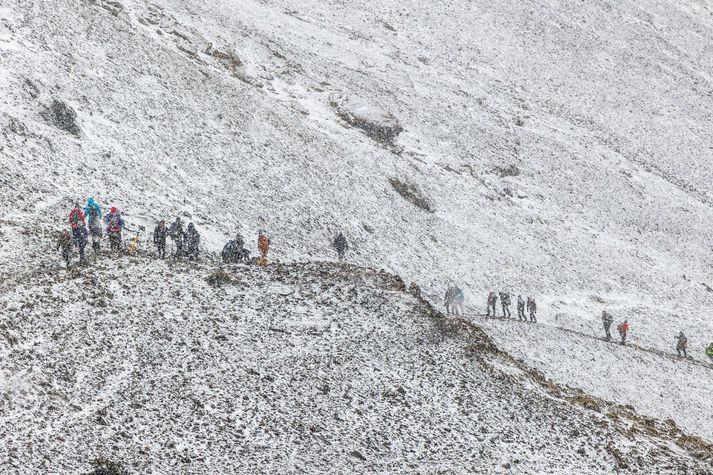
x=133 y=244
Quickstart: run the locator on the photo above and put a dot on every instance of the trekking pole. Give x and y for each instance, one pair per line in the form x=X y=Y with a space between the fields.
x=133 y=244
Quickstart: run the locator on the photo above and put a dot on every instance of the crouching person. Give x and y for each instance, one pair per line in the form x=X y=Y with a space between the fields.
x=234 y=250
x=64 y=243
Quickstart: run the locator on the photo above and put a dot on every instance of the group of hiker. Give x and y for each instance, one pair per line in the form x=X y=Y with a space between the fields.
x=505 y=302
x=89 y=222
x=455 y=298
x=623 y=329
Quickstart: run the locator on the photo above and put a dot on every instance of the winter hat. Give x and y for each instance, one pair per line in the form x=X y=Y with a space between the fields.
x=113 y=209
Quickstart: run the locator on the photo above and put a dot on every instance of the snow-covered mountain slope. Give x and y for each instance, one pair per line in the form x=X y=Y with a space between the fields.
x=300 y=368
x=555 y=149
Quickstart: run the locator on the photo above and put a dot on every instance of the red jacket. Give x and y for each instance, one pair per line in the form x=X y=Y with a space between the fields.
x=623 y=327
x=76 y=218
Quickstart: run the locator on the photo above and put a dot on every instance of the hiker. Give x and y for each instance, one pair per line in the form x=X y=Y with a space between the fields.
x=234 y=250
x=505 y=302
x=263 y=245
x=448 y=299
x=458 y=300
x=623 y=328
x=521 y=308
x=709 y=351
x=607 y=320
x=532 y=308
x=79 y=230
x=93 y=213
x=192 y=241
x=682 y=343
x=114 y=226
x=492 y=301
x=64 y=242
x=159 y=238
x=340 y=244
x=177 y=236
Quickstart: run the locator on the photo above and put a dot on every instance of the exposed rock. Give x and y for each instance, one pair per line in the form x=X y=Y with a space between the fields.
x=411 y=193
x=61 y=115
x=376 y=123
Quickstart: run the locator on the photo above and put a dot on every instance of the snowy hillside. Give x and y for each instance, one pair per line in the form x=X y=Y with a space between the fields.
x=289 y=369
x=557 y=149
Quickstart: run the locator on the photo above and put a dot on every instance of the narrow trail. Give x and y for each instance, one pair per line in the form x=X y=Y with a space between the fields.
x=653 y=351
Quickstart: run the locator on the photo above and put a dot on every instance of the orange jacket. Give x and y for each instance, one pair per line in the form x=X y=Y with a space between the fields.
x=263 y=243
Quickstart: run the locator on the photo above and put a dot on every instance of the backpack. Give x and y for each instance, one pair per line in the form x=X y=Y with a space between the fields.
x=74 y=218
x=113 y=226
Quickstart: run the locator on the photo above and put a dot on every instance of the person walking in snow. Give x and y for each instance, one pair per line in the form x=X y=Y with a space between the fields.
x=458 y=300
x=492 y=301
x=340 y=244
x=64 y=243
x=607 y=320
x=505 y=302
x=114 y=227
x=532 y=308
x=681 y=345
x=263 y=245
x=192 y=241
x=709 y=351
x=448 y=299
x=234 y=250
x=623 y=329
x=177 y=236
x=521 y=308
x=79 y=230
x=160 y=233
x=93 y=213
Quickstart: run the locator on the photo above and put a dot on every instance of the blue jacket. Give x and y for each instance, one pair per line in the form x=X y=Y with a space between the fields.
x=92 y=205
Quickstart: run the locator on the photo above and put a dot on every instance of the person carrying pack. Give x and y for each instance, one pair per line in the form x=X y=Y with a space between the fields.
x=263 y=245
x=64 y=243
x=340 y=244
x=521 y=308
x=159 y=238
x=607 y=320
x=532 y=308
x=114 y=227
x=192 y=242
x=234 y=250
x=448 y=299
x=505 y=302
x=458 y=300
x=79 y=230
x=681 y=344
x=623 y=329
x=492 y=301
x=177 y=236
x=93 y=213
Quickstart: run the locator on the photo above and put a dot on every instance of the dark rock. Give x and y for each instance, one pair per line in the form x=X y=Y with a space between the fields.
x=62 y=116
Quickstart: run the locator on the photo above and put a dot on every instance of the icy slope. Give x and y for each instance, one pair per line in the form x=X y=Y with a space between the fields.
x=287 y=369
x=561 y=148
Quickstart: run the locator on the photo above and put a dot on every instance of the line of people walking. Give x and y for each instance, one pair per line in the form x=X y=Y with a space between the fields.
x=623 y=329
x=505 y=302
x=89 y=222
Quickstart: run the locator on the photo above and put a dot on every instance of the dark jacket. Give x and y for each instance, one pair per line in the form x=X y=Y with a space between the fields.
x=340 y=243
x=159 y=235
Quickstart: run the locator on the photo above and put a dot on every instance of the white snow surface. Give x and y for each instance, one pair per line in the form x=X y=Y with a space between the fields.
x=564 y=146
x=156 y=370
